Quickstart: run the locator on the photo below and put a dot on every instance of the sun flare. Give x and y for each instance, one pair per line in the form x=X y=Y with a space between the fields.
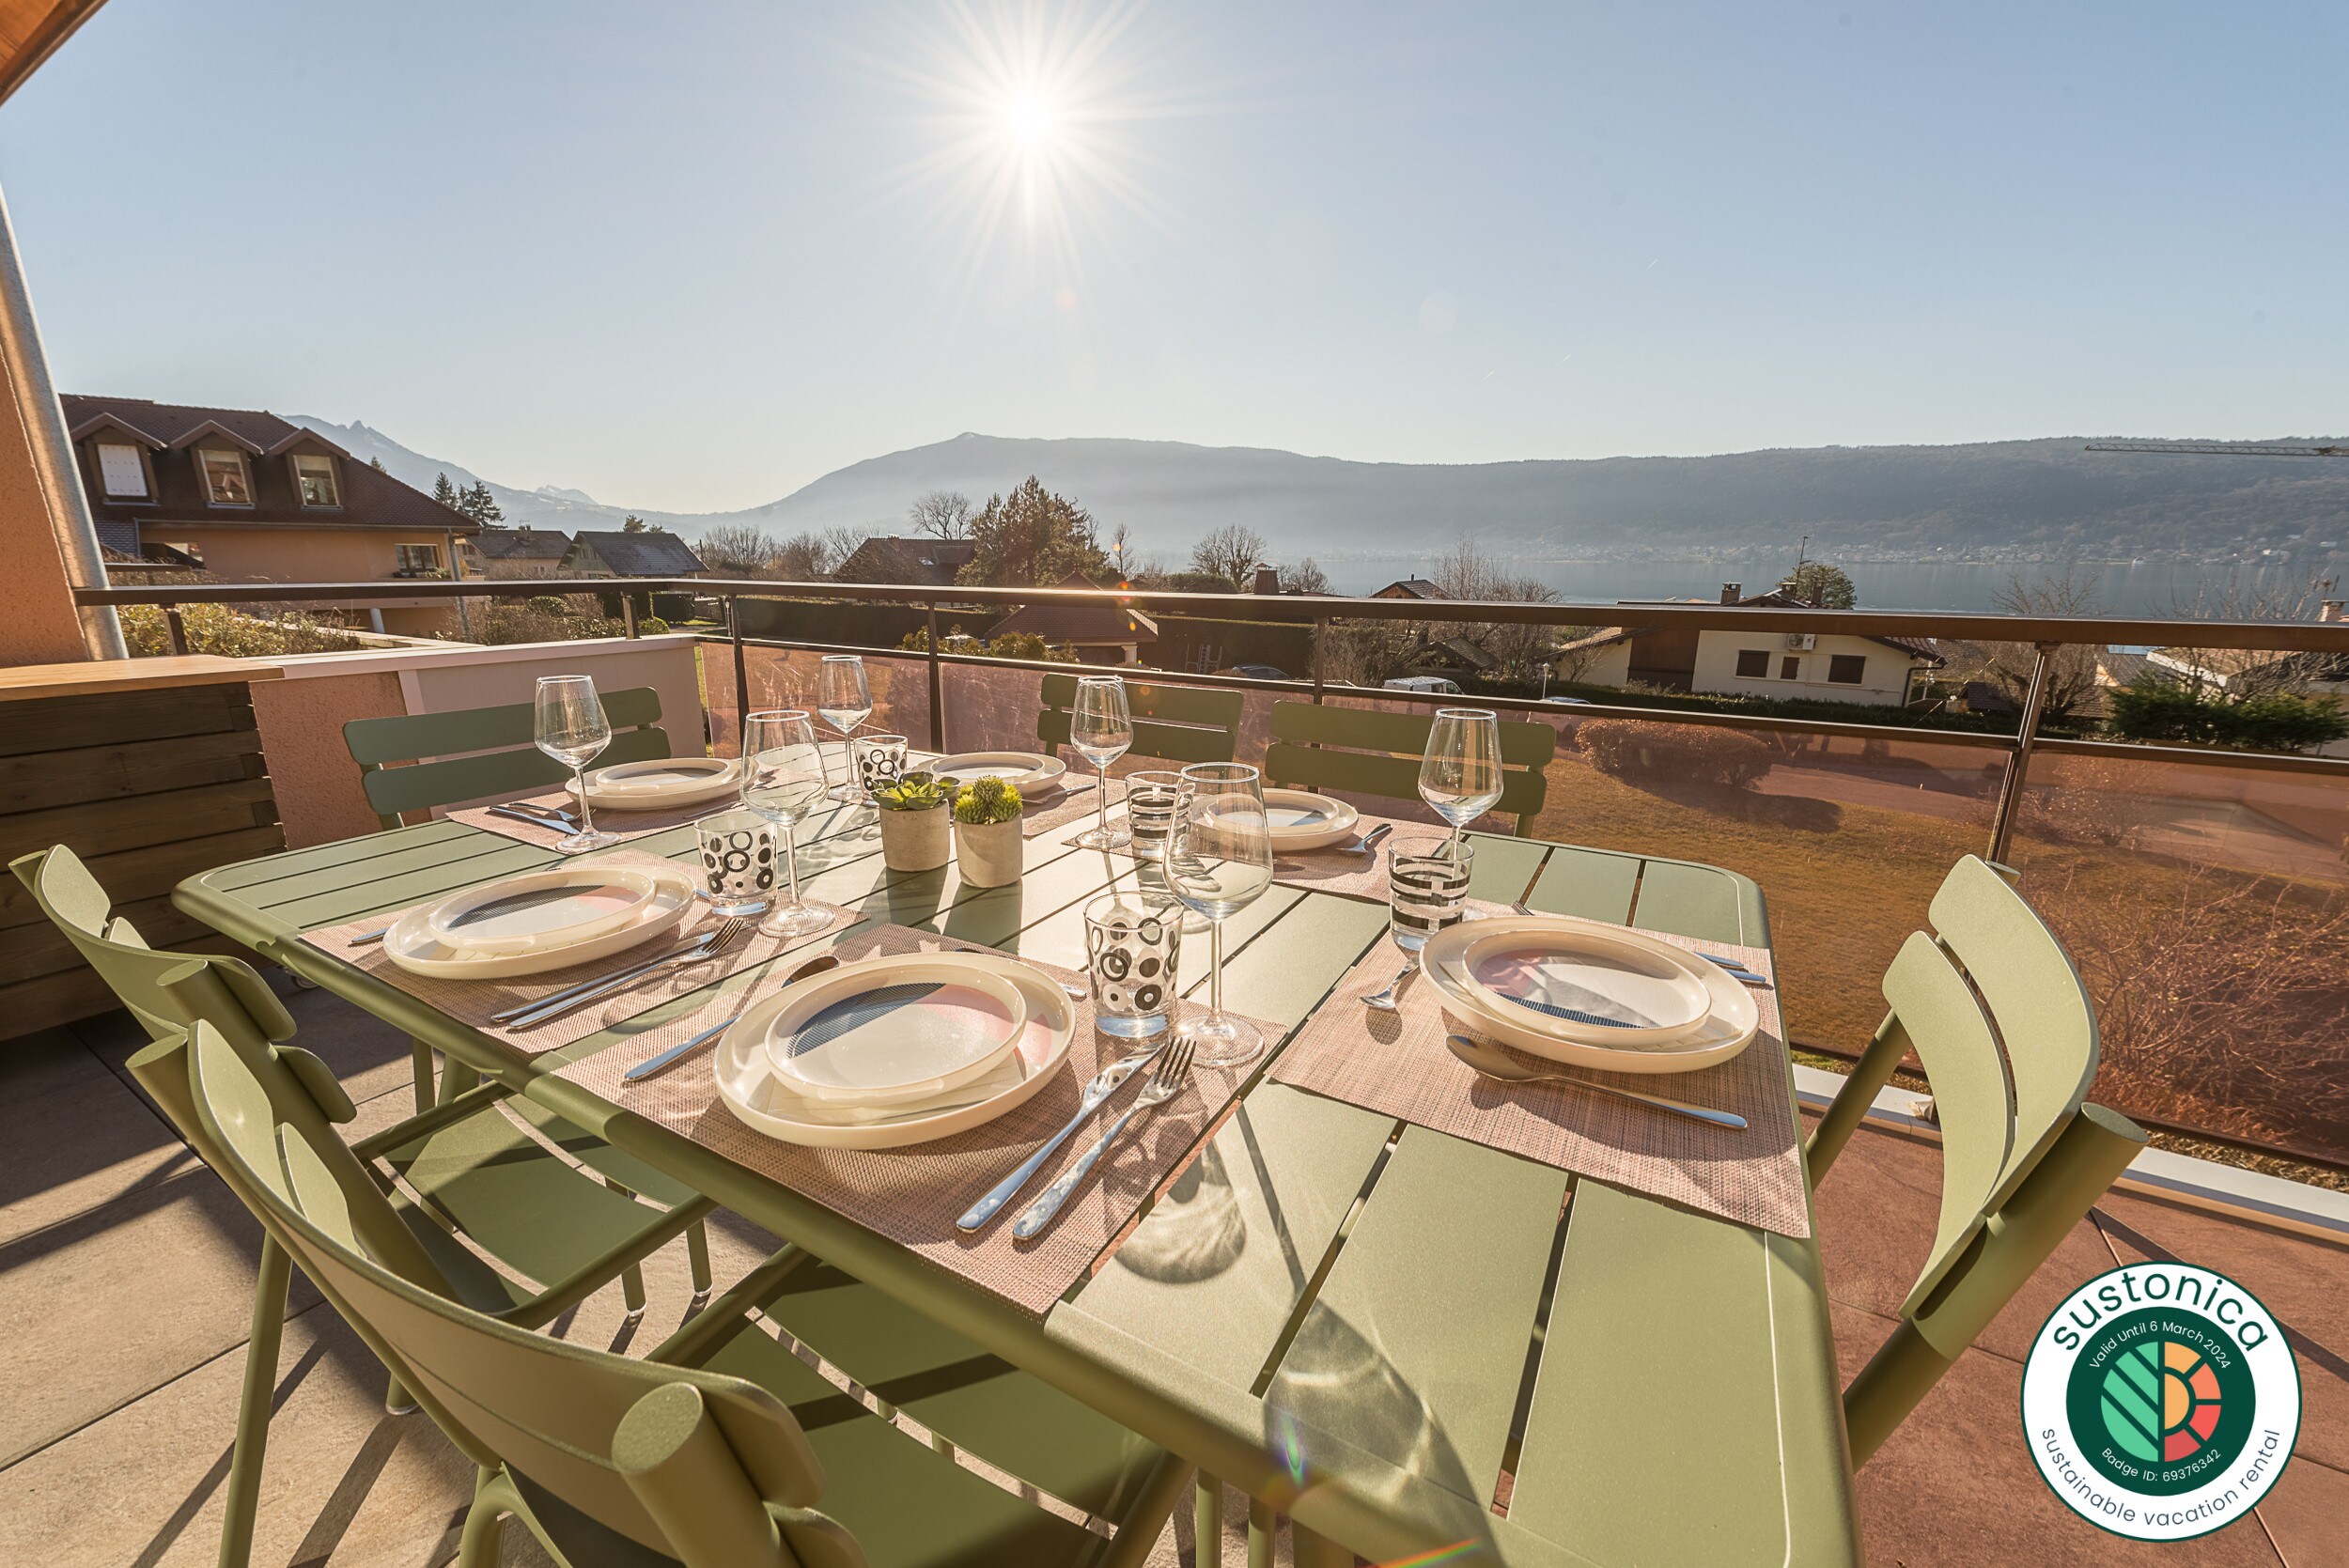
x=1029 y=119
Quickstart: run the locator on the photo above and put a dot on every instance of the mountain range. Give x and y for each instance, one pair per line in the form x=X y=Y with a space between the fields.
x=1992 y=499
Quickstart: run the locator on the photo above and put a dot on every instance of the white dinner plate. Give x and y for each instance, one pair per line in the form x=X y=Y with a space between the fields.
x=893 y=1031
x=1031 y=773
x=1572 y=983
x=1303 y=820
x=411 y=945
x=661 y=783
x=752 y=1092
x=1728 y=1026
x=559 y=907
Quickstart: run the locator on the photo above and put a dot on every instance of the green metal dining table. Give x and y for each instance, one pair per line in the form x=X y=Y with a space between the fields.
x=1417 y=1345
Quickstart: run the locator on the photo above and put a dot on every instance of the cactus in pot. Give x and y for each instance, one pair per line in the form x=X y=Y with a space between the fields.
x=987 y=846
x=914 y=813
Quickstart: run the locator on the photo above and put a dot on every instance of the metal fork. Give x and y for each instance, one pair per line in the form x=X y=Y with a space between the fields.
x=546 y=817
x=1368 y=843
x=1174 y=1070
x=548 y=1009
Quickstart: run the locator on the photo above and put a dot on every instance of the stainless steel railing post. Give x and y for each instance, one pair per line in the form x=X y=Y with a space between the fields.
x=938 y=684
x=2018 y=760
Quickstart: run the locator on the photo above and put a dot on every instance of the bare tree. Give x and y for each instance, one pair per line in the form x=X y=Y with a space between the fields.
x=945 y=514
x=1120 y=551
x=737 y=549
x=1230 y=552
x=2070 y=694
x=2244 y=672
x=1306 y=577
x=1466 y=572
x=808 y=557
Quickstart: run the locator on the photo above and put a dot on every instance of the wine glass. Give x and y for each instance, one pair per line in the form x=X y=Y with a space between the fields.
x=571 y=729
x=1219 y=858
x=845 y=701
x=1460 y=775
x=782 y=779
x=1099 y=730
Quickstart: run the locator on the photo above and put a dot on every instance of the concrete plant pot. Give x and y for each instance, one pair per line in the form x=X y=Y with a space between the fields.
x=915 y=839
x=988 y=854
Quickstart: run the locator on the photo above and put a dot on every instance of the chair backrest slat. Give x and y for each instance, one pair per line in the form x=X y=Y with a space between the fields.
x=1174 y=723
x=2003 y=1027
x=545 y=1408
x=2036 y=995
x=1367 y=751
x=474 y=752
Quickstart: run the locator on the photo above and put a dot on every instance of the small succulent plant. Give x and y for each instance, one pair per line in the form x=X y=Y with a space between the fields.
x=986 y=799
x=915 y=791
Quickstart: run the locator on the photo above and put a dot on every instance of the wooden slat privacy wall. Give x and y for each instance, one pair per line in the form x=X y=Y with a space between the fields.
x=148 y=786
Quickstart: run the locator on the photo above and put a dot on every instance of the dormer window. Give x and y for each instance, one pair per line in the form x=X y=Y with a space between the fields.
x=314 y=477
x=121 y=472
x=225 y=483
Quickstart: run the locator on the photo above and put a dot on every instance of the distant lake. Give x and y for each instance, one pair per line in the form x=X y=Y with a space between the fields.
x=2149 y=589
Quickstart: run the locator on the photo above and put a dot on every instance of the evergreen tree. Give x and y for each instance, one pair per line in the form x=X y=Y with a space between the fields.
x=445 y=493
x=1817 y=584
x=377 y=464
x=631 y=524
x=1032 y=536
x=476 y=503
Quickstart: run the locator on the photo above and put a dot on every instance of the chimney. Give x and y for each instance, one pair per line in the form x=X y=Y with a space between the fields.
x=2332 y=610
x=1268 y=579
x=1733 y=592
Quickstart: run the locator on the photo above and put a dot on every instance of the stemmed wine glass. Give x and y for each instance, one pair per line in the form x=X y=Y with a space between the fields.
x=1218 y=860
x=782 y=779
x=1460 y=775
x=1099 y=730
x=571 y=729
x=845 y=701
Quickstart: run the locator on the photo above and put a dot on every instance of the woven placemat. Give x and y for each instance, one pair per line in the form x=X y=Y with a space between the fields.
x=1396 y=1063
x=623 y=825
x=914 y=1195
x=1075 y=799
x=471 y=1002
x=1338 y=869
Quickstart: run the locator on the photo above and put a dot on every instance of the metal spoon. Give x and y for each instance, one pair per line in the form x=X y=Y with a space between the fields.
x=1491 y=1061
x=679 y=1051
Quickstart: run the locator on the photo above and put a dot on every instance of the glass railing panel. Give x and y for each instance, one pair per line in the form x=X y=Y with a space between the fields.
x=2207 y=906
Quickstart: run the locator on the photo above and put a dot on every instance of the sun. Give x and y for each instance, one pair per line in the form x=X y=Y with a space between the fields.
x=1030 y=119
x=1027 y=122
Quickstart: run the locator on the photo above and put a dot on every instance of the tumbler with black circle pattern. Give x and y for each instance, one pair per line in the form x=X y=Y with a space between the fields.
x=738 y=853
x=1132 y=945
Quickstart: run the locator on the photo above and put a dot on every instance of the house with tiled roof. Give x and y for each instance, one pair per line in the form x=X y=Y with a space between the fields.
x=893 y=558
x=645 y=553
x=524 y=551
x=250 y=497
x=1838 y=667
x=1094 y=633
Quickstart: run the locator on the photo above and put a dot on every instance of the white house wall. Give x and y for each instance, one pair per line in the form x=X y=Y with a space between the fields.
x=1884 y=682
x=1612 y=667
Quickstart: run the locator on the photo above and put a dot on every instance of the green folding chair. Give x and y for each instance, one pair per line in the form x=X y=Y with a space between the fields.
x=1997 y=1015
x=715 y=1452
x=1172 y=723
x=1369 y=753
x=478 y=1174
x=412 y=762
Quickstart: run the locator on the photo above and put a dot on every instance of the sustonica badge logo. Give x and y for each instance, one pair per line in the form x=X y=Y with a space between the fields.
x=2161 y=1401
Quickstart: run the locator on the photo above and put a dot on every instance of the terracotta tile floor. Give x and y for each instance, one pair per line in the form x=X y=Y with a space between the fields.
x=125 y=1273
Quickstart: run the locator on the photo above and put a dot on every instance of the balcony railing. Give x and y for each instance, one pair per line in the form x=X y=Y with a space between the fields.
x=2203 y=893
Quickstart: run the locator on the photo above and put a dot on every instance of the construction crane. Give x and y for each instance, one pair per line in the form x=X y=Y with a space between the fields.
x=2221 y=448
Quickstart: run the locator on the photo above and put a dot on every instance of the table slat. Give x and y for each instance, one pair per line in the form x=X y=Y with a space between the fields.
x=1213 y=1273
x=1691 y=901
x=1415 y=1348
x=1654 y=1434
x=1586 y=882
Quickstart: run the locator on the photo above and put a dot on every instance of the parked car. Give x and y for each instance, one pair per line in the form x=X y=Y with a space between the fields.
x=1436 y=685
x=1256 y=672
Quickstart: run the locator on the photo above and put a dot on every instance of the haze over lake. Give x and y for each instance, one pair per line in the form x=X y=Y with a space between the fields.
x=2148 y=588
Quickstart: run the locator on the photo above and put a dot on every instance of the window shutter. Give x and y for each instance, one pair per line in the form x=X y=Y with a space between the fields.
x=121 y=472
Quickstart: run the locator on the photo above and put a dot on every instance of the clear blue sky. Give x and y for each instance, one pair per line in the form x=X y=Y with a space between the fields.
x=691 y=255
